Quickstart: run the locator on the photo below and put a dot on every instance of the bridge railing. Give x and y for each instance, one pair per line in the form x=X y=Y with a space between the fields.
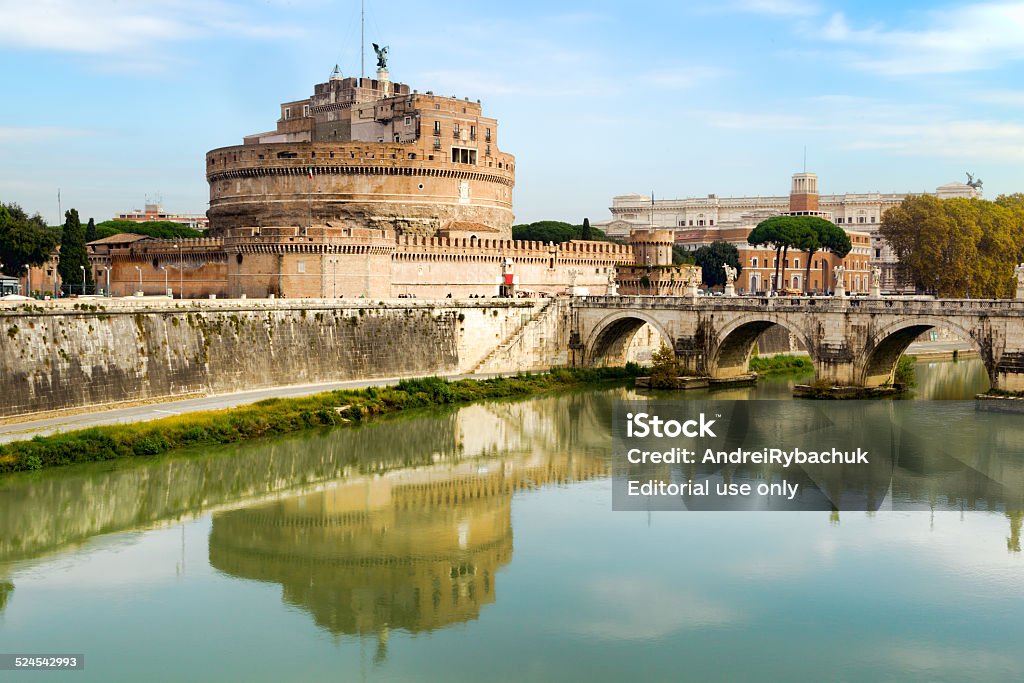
x=853 y=304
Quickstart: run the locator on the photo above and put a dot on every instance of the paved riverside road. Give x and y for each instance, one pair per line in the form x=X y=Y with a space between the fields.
x=18 y=431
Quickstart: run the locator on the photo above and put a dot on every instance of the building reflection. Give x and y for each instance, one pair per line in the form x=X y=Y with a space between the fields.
x=6 y=591
x=416 y=549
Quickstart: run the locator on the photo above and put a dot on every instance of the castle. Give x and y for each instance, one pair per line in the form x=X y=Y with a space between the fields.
x=364 y=189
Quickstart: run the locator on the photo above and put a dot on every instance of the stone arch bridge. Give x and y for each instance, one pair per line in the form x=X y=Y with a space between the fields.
x=852 y=342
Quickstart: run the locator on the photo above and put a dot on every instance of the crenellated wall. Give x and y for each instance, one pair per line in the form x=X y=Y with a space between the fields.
x=64 y=356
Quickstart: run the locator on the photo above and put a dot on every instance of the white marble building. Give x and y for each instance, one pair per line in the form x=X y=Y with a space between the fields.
x=711 y=214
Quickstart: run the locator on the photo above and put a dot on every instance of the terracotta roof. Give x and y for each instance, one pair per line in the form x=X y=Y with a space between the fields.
x=462 y=226
x=121 y=238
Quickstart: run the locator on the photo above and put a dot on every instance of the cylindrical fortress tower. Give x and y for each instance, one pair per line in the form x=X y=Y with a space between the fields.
x=652 y=247
x=366 y=153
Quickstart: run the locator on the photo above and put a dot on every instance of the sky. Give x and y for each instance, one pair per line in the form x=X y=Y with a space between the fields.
x=113 y=101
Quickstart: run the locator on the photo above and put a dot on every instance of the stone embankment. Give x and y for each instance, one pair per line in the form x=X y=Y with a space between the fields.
x=73 y=354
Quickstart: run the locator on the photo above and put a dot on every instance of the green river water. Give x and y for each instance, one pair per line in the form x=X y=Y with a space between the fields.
x=479 y=544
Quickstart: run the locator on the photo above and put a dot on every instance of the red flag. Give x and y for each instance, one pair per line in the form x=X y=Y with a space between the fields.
x=310 y=169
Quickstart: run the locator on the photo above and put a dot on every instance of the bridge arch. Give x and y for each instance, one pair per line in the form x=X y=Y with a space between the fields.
x=611 y=336
x=877 y=362
x=730 y=355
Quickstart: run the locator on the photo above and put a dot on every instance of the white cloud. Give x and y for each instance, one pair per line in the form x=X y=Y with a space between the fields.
x=102 y=27
x=684 y=76
x=957 y=39
x=1010 y=98
x=858 y=123
x=786 y=8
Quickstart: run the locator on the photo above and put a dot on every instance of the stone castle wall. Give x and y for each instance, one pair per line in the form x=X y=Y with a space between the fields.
x=62 y=356
x=331 y=262
x=366 y=184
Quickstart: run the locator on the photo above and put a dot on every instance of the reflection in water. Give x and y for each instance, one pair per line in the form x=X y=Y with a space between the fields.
x=387 y=550
x=415 y=549
x=6 y=590
x=949 y=381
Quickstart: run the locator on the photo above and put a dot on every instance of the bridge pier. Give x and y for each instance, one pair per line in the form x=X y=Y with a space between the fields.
x=852 y=342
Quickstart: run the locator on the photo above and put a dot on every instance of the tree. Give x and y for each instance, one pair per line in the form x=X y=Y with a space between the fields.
x=809 y=234
x=664 y=368
x=780 y=233
x=711 y=258
x=957 y=247
x=24 y=240
x=90 y=232
x=166 y=230
x=829 y=237
x=586 y=233
x=554 y=231
x=680 y=255
x=73 y=256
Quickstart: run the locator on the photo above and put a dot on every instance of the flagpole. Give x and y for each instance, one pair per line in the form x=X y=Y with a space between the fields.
x=362 y=40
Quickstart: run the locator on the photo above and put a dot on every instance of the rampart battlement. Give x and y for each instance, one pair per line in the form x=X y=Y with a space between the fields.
x=412 y=246
x=210 y=247
x=343 y=158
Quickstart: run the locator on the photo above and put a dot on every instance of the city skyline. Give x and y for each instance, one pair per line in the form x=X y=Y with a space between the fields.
x=594 y=99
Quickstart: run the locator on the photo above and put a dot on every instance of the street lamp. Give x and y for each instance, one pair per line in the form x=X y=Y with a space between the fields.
x=82 y=268
x=140 y=277
x=164 y=268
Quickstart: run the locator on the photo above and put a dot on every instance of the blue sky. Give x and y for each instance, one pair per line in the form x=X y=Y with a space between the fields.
x=114 y=101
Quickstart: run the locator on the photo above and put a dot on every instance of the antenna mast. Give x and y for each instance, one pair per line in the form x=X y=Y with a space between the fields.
x=362 y=39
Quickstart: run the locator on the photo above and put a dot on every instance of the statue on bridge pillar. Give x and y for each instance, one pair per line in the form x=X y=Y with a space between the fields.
x=876 y=282
x=730 y=279
x=1018 y=272
x=840 y=289
x=613 y=287
x=692 y=283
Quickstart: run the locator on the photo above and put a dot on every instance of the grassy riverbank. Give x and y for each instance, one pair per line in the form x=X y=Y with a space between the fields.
x=280 y=416
x=782 y=364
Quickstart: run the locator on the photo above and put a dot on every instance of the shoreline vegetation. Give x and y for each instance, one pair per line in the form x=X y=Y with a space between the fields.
x=278 y=416
x=780 y=364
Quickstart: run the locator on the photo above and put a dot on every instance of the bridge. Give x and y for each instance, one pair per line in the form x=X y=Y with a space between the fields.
x=854 y=341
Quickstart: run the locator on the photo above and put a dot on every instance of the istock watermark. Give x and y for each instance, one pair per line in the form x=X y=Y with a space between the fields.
x=791 y=455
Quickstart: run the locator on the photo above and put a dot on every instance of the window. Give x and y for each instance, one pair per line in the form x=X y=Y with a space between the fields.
x=287 y=113
x=839 y=220
x=711 y=222
x=878 y=253
x=872 y=219
x=487 y=134
x=300 y=266
x=455 y=130
x=753 y=262
x=691 y=222
x=305 y=110
x=463 y=156
x=472 y=132
x=437 y=127
x=408 y=120
x=861 y=219
x=796 y=263
x=700 y=222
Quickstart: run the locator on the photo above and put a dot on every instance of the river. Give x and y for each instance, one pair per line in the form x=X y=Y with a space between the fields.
x=479 y=543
